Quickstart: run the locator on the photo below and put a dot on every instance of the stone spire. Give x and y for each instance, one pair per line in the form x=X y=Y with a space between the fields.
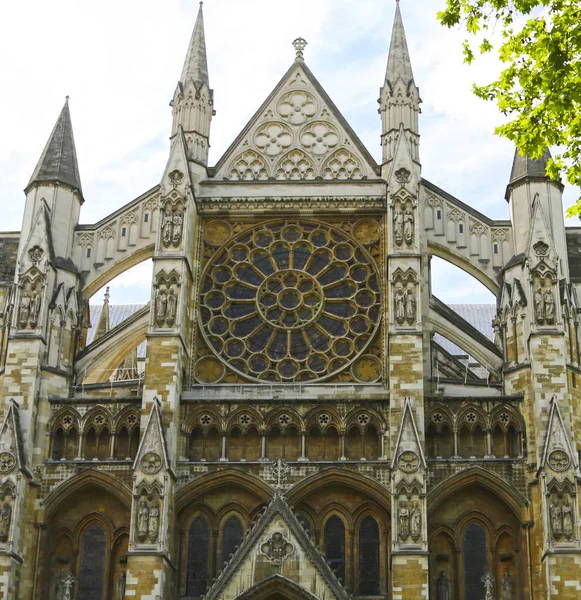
x=193 y=99
x=196 y=63
x=399 y=97
x=58 y=161
x=104 y=323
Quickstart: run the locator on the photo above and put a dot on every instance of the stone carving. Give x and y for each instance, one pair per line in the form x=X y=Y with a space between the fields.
x=443 y=587
x=402 y=175
x=488 y=581
x=178 y=227
x=506 y=585
x=5 y=520
x=294 y=166
x=142 y=521
x=29 y=310
x=366 y=232
x=153 y=528
x=35 y=254
x=541 y=249
x=367 y=369
x=567 y=520
x=319 y=138
x=172 y=227
x=403 y=520
x=279 y=471
x=277 y=548
x=342 y=164
x=121 y=585
x=172 y=305
x=65 y=586
x=248 y=166
x=408 y=226
x=544 y=306
x=300 y=44
x=410 y=307
x=405 y=306
x=273 y=138
x=166 y=302
x=408 y=462
x=559 y=460
x=7 y=462
x=398 y=224
x=176 y=177
x=209 y=370
x=217 y=233
x=160 y=307
x=416 y=522
x=151 y=463
x=297 y=107
x=556 y=520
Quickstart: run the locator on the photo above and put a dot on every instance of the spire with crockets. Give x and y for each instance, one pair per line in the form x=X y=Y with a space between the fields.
x=399 y=96
x=193 y=99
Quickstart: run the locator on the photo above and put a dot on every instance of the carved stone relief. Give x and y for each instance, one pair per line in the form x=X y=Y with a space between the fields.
x=65 y=585
x=166 y=300
x=5 y=521
x=443 y=587
x=403 y=520
x=403 y=222
x=544 y=300
x=30 y=304
x=277 y=548
x=561 y=518
x=148 y=517
x=172 y=226
x=506 y=586
x=35 y=254
x=404 y=297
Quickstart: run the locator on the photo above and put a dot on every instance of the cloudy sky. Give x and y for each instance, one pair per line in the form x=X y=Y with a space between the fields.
x=119 y=61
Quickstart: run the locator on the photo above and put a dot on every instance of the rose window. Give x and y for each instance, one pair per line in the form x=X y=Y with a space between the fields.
x=290 y=301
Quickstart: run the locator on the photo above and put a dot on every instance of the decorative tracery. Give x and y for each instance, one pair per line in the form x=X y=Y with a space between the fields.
x=290 y=301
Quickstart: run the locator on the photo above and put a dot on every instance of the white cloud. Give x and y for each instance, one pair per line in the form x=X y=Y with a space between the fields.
x=120 y=61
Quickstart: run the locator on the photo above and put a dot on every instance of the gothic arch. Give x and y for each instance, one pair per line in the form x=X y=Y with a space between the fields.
x=58 y=495
x=276 y=586
x=477 y=475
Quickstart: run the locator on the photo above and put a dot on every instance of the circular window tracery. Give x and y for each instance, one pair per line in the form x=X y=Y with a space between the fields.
x=290 y=301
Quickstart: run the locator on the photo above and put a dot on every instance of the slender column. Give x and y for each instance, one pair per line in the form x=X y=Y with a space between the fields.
x=263 y=447
x=223 y=456
x=303 y=446
x=343 y=457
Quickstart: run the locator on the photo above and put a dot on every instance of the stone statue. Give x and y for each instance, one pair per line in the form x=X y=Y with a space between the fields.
x=5 y=519
x=540 y=306
x=488 y=581
x=178 y=221
x=277 y=548
x=154 y=522
x=408 y=228
x=172 y=304
x=65 y=586
x=549 y=307
x=567 y=520
x=142 y=521
x=398 y=232
x=400 y=305
x=443 y=587
x=167 y=227
x=121 y=585
x=410 y=307
x=34 y=309
x=416 y=522
x=24 y=311
x=160 y=307
x=506 y=585
x=556 y=520
x=403 y=519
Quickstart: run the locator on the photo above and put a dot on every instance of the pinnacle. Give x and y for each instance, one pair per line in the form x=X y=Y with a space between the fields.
x=58 y=161
x=398 y=63
x=525 y=166
x=196 y=63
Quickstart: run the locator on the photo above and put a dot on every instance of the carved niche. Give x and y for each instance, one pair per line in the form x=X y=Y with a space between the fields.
x=403 y=220
x=409 y=512
x=172 y=220
x=148 y=515
x=405 y=297
x=30 y=304
x=544 y=299
x=165 y=299
x=561 y=502
x=7 y=495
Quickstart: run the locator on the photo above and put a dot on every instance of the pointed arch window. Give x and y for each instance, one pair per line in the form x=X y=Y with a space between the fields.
x=475 y=554
x=198 y=555
x=91 y=581
x=232 y=535
x=369 y=572
x=335 y=546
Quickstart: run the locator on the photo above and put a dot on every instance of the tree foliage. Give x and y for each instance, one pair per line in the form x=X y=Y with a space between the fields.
x=539 y=87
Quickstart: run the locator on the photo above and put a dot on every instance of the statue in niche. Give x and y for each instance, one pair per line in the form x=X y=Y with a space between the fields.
x=549 y=301
x=540 y=306
x=24 y=311
x=160 y=307
x=172 y=304
x=443 y=587
x=121 y=585
x=65 y=586
x=398 y=228
x=5 y=520
x=506 y=585
x=410 y=307
x=556 y=520
x=416 y=522
x=567 y=520
x=178 y=221
x=34 y=309
x=153 y=522
x=142 y=521
x=408 y=227
x=403 y=520
x=167 y=227
x=400 y=305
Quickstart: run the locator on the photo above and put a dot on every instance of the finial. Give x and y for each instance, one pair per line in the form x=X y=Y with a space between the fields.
x=300 y=44
x=67 y=99
x=106 y=299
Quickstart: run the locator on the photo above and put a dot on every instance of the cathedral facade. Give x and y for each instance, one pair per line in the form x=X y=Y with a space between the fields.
x=295 y=429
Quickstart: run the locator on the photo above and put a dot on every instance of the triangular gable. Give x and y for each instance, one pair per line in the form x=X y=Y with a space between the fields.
x=557 y=442
x=11 y=448
x=541 y=247
x=38 y=248
x=297 y=134
x=408 y=439
x=403 y=172
x=152 y=445
x=176 y=175
x=277 y=545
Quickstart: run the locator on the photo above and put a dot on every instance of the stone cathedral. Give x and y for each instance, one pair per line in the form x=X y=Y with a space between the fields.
x=287 y=417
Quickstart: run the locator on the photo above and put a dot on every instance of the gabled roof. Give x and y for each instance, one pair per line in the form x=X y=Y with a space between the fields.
x=58 y=161
x=305 y=104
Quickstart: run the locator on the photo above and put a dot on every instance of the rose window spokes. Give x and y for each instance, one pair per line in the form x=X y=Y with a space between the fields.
x=297 y=107
x=273 y=138
x=320 y=138
x=290 y=301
